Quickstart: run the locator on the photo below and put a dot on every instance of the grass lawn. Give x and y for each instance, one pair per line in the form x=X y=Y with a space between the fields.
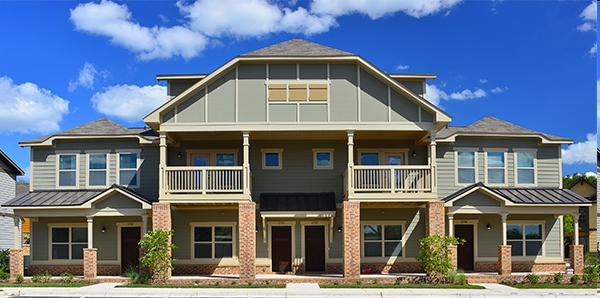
x=200 y=286
x=42 y=285
x=414 y=286
x=554 y=286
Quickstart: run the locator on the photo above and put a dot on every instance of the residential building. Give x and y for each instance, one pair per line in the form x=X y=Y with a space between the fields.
x=588 y=224
x=297 y=158
x=9 y=171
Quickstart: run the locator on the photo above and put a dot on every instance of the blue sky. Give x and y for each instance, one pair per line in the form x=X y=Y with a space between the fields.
x=532 y=63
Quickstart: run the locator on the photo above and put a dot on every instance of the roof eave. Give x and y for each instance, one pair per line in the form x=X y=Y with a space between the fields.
x=49 y=142
x=11 y=164
x=543 y=140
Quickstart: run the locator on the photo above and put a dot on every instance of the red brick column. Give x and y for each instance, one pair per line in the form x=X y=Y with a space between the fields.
x=504 y=259
x=454 y=256
x=16 y=263
x=434 y=218
x=90 y=263
x=247 y=257
x=576 y=254
x=161 y=219
x=351 y=236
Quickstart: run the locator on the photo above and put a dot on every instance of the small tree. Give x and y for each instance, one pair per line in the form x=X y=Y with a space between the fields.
x=436 y=256
x=157 y=254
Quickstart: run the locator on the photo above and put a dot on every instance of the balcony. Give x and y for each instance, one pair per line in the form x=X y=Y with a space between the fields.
x=206 y=184
x=389 y=183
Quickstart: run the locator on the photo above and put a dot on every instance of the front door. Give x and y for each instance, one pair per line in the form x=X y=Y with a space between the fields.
x=314 y=248
x=281 y=248
x=466 y=251
x=130 y=250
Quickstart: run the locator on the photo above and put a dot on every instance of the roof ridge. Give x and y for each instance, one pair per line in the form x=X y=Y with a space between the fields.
x=297 y=47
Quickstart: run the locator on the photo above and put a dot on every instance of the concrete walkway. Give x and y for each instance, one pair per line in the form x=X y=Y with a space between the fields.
x=291 y=290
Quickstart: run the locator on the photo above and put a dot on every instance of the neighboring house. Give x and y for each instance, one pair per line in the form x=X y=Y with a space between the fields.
x=588 y=224
x=8 y=179
x=297 y=158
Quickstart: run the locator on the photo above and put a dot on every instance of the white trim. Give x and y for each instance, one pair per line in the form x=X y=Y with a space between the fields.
x=474 y=223
x=322 y=150
x=389 y=259
x=292 y=225
x=485 y=165
x=475 y=156
x=120 y=225
x=76 y=170
x=69 y=226
x=542 y=224
x=87 y=167
x=326 y=230
x=384 y=153
x=516 y=166
x=138 y=153
x=279 y=152
x=212 y=225
x=212 y=155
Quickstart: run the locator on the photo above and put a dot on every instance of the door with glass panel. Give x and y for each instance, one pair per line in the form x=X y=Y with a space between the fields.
x=198 y=160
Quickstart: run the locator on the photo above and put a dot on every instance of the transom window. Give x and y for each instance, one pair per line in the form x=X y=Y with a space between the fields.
x=128 y=169
x=67 y=170
x=525 y=167
x=465 y=167
x=496 y=167
x=525 y=239
x=67 y=243
x=272 y=159
x=97 y=169
x=213 y=242
x=323 y=159
x=295 y=92
x=382 y=240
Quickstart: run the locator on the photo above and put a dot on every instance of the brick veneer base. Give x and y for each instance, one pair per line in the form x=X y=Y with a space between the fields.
x=434 y=218
x=16 y=263
x=351 y=236
x=107 y=270
x=183 y=270
x=522 y=267
x=90 y=263
x=247 y=240
x=576 y=254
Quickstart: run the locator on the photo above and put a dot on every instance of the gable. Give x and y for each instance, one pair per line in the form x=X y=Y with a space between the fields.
x=477 y=198
x=117 y=201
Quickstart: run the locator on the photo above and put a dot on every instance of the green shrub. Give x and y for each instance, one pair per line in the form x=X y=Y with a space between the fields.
x=4 y=276
x=532 y=278
x=19 y=279
x=558 y=277
x=43 y=278
x=591 y=270
x=135 y=276
x=66 y=277
x=435 y=255
x=157 y=254
x=457 y=277
x=575 y=279
x=4 y=265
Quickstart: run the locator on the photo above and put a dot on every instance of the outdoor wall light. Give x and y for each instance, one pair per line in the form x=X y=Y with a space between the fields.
x=488 y=226
x=103 y=229
x=339 y=229
x=415 y=153
x=179 y=154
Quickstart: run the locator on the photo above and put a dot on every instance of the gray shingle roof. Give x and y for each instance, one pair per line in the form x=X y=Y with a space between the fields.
x=492 y=125
x=100 y=127
x=11 y=164
x=528 y=195
x=64 y=198
x=323 y=201
x=297 y=48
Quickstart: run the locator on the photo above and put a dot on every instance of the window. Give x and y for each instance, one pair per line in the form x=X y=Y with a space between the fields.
x=97 y=169
x=382 y=240
x=213 y=242
x=525 y=167
x=496 y=171
x=322 y=159
x=294 y=92
x=225 y=159
x=525 y=239
x=128 y=169
x=465 y=167
x=68 y=243
x=272 y=159
x=67 y=170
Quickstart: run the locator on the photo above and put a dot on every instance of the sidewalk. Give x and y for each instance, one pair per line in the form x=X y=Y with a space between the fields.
x=292 y=290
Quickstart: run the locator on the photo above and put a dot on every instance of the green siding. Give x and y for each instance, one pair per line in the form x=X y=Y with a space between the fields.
x=282 y=71
x=477 y=199
x=282 y=113
x=193 y=109
x=552 y=244
x=313 y=113
x=169 y=117
x=252 y=93
x=373 y=98
x=221 y=99
x=175 y=88
x=313 y=71
x=343 y=93
x=415 y=86
x=403 y=110
x=118 y=201
x=426 y=116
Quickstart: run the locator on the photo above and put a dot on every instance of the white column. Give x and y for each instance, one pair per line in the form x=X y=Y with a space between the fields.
x=17 y=232
x=433 y=161
x=451 y=225
x=576 y=228
x=504 y=216
x=90 y=230
x=162 y=163
x=350 y=161
x=246 y=163
x=144 y=225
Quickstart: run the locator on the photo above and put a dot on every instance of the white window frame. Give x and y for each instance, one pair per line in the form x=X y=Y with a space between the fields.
x=322 y=150
x=523 y=223
x=456 y=167
x=279 y=152
x=76 y=170
x=403 y=239
x=88 y=170
x=138 y=164
x=485 y=161
x=212 y=225
x=383 y=153
x=70 y=244
x=212 y=155
x=516 y=166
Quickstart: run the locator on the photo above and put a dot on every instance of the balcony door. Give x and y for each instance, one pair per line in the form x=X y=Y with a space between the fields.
x=200 y=160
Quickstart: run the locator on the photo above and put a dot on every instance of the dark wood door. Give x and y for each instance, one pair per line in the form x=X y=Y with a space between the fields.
x=130 y=250
x=281 y=248
x=314 y=248
x=466 y=251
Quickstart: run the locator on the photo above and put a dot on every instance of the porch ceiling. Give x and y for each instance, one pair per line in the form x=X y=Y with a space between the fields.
x=297 y=135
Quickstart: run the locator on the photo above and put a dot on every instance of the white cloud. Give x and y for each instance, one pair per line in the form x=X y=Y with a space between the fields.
x=28 y=108
x=378 y=9
x=114 y=21
x=435 y=94
x=592 y=52
x=589 y=17
x=87 y=77
x=581 y=152
x=129 y=102
x=591 y=174
x=402 y=67
x=499 y=89
x=483 y=81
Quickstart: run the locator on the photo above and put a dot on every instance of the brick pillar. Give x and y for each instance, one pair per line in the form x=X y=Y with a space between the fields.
x=247 y=255
x=504 y=259
x=16 y=263
x=90 y=263
x=454 y=256
x=351 y=236
x=576 y=255
x=434 y=218
x=161 y=219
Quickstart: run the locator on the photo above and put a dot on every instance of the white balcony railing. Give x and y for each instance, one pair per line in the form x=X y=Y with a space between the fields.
x=393 y=179
x=202 y=180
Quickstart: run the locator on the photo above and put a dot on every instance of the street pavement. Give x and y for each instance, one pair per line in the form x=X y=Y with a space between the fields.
x=291 y=290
